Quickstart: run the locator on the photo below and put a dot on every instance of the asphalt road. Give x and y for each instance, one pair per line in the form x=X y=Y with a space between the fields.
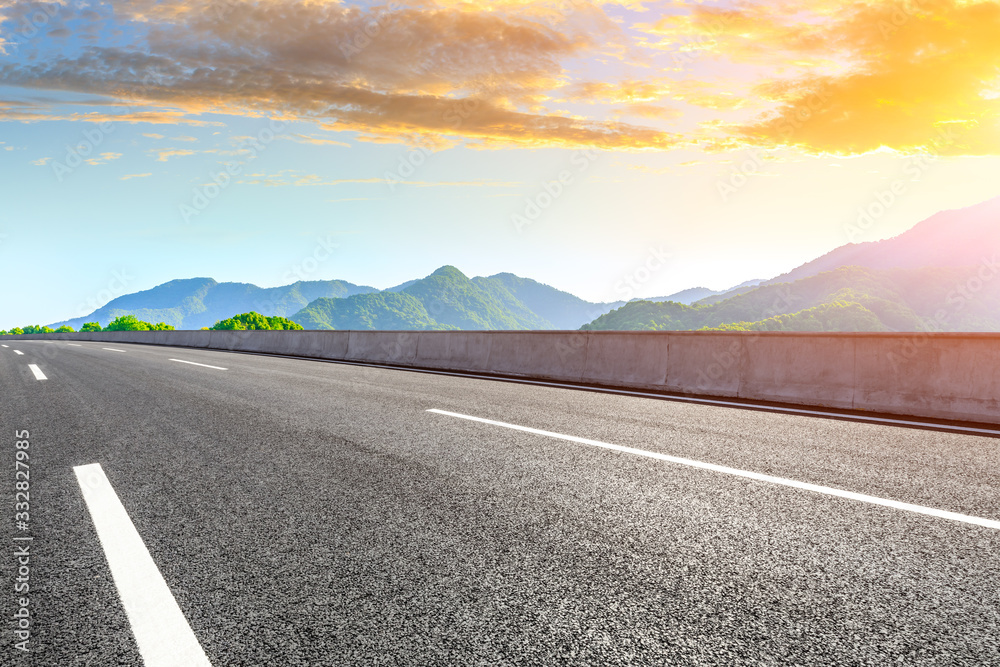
x=310 y=513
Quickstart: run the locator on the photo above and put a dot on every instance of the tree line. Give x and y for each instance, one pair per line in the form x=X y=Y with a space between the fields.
x=244 y=322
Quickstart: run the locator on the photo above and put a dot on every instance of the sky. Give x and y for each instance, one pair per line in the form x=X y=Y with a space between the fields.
x=611 y=148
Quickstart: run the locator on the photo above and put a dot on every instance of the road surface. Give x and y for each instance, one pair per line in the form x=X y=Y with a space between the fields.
x=310 y=513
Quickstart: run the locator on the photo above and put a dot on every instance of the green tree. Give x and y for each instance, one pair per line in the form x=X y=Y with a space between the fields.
x=35 y=329
x=133 y=323
x=255 y=322
x=65 y=329
x=17 y=331
x=127 y=323
x=91 y=326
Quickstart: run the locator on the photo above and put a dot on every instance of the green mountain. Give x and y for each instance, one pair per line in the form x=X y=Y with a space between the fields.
x=201 y=302
x=448 y=299
x=950 y=239
x=847 y=299
x=560 y=309
x=383 y=311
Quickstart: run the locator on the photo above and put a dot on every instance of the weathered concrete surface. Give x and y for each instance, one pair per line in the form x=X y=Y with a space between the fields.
x=621 y=358
x=953 y=377
x=455 y=350
x=943 y=376
x=705 y=363
x=799 y=368
x=550 y=355
x=382 y=347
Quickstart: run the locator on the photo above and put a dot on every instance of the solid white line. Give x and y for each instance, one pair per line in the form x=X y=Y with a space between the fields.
x=111 y=349
x=854 y=417
x=39 y=375
x=826 y=490
x=194 y=363
x=164 y=637
x=19 y=352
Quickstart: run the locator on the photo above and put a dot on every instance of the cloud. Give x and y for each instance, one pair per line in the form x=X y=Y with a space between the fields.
x=822 y=76
x=427 y=71
x=41 y=162
x=164 y=155
x=102 y=158
x=156 y=117
x=131 y=176
x=315 y=141
x=153 y=136
x=291 y=177
x=850 y=78
x=652 y=111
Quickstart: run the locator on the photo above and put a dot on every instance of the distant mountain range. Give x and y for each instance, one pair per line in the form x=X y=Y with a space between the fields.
x=850 y=298
x=941 y=274
x=195 y=303
x=694 y=294
x=446 y=299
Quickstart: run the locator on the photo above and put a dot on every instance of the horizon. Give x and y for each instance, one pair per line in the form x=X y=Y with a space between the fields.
x=737 y=137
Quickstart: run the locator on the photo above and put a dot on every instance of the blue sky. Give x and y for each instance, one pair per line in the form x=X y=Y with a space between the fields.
x=660 y=123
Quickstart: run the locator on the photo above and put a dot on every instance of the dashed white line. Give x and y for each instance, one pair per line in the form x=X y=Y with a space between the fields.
x=815 y=488
x=6 y=346
x=164 y=637
x=194 y=363
x=74 y=344
x=19 y=352
x=39 y=375
x=111 y=349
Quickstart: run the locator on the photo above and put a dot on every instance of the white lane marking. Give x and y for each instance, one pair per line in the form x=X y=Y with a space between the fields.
x=39 y=375
x=164 y=637
x=19 y=352
x=74 y=344
x=194 y=363
x=854 y=417
x=826 y=490
x=6 y=346
x=111 y=349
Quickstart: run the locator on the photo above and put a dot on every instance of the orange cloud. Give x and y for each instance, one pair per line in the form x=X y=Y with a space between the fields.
x=848 y=78
x=823 y=76
x=438 y=72
x=163 y=156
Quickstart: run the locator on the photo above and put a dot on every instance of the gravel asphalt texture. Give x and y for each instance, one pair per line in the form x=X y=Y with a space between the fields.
x=311 y=513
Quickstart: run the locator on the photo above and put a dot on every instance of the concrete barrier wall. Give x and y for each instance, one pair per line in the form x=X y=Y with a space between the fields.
x=944 y=376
